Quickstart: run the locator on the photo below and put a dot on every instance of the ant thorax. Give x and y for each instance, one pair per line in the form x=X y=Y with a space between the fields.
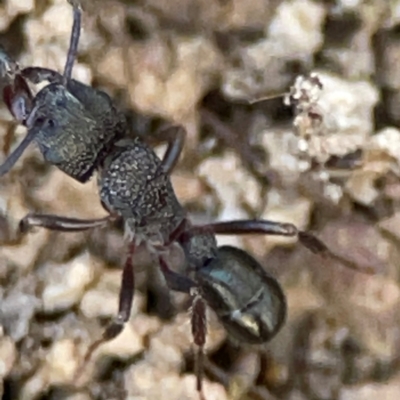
x=131 y=187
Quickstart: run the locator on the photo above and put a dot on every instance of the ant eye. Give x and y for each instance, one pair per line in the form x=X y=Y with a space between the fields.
x=40 y=120
x=51 y=123
x=44 y=122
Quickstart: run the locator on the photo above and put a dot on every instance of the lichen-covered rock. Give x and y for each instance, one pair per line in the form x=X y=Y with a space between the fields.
x=66 y=284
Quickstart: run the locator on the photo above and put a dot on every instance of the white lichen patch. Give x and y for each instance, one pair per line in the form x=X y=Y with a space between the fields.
x=297 y=27
x=346 y=111
x=171 y=89
x=66 y=284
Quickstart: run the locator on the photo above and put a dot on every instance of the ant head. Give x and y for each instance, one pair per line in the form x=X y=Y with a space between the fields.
x=66 y=133
x=249 y=302
x=73 y=125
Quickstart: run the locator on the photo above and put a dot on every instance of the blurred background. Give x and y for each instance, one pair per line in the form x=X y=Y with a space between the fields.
x=325 y=157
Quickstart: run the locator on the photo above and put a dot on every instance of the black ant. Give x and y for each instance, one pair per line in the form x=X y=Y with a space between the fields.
x=78 y=130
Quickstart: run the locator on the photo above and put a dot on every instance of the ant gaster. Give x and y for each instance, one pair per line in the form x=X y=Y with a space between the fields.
x=77 y=129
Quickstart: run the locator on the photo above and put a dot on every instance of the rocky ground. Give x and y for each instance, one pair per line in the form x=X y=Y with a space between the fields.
x=291 y=109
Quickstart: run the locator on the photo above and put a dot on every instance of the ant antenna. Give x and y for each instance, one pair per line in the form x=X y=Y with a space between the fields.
x=266 y=98
x=16 y=154
x=74 y=40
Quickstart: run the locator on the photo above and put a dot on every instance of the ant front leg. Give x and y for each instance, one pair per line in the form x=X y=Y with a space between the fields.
x=39 y=74
x=266 y=227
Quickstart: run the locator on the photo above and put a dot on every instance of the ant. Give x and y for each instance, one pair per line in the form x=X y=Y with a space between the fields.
x=78 y=129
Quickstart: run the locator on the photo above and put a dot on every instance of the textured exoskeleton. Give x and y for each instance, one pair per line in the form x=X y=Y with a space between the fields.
x=74 y=125
x=251 y=313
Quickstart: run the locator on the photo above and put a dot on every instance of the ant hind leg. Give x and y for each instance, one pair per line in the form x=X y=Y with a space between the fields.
x=199 y=331
x=175 y=281
x=266 y=227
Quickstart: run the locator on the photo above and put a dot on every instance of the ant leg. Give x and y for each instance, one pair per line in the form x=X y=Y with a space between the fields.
x=266 y=227
x=175 y=137
x=60 y=223
x=199 y=331
x=74 y=40
x=39 y=74
x=124 y=309
x=181 y=283
x=176 y=282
